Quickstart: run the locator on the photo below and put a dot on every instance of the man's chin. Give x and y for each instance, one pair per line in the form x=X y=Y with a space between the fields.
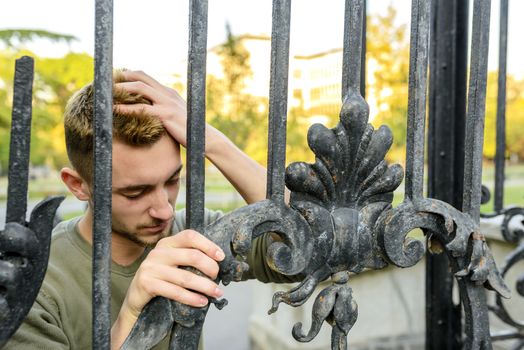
x=150 y=238
x=144 y=237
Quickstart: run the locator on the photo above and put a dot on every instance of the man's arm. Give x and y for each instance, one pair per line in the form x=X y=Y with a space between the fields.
x=246 y=175
x=41 y=328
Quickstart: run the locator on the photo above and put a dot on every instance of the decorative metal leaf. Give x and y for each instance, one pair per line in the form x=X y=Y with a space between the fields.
x=24 y=253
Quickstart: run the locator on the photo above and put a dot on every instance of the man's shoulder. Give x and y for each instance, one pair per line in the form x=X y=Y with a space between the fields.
x=63 y=235
x=68 y=257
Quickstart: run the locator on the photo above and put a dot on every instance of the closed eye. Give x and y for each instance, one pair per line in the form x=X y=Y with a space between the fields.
x=135 y=192
x=173 y=181
x=133 y=195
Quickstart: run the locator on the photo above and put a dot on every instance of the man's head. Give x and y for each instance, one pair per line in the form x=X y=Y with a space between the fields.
x=146 y=165
x=134 y=130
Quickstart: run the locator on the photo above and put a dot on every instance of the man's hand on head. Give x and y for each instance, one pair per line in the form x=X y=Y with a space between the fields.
x=161 y=274
x=166 y=103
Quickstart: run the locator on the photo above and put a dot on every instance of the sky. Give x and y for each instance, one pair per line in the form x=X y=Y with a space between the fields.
x=154 y=37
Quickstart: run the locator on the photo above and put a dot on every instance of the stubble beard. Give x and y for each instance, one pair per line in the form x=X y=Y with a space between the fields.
x=134 y=236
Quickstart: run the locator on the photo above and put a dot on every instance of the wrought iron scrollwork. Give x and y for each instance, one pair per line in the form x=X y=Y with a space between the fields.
x=328 y=229
x=511 y=222
x=501 y=311
x=340 y=218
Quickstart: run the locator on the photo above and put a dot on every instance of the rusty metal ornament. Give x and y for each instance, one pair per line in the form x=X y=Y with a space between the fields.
x=326 y=231
x=339 y=221
x=341 y=196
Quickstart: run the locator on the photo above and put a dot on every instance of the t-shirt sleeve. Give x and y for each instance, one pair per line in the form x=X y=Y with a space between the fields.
x=41 y=328
x=258 y=266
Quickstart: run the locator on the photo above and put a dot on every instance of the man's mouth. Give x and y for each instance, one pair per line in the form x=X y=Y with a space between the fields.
x=156 y=228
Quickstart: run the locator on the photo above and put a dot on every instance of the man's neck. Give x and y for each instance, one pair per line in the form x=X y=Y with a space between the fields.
x=123 y=251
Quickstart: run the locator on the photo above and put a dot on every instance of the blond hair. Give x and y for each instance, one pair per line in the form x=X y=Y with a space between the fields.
x=136 y=129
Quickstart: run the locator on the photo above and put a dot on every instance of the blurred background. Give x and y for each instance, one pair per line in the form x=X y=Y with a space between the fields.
x=152 y=36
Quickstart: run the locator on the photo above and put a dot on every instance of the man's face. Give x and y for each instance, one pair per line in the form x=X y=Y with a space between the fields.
x=145 y=187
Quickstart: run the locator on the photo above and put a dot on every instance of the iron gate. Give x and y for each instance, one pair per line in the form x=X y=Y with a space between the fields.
x=339 y=220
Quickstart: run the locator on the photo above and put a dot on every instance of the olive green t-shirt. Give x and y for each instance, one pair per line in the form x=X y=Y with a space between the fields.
x=61 y=315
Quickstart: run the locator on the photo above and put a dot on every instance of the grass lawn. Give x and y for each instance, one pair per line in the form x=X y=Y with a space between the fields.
x=218 y=187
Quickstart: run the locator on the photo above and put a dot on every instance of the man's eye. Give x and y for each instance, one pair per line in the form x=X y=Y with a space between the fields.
x=173 y=181
x=132 y=195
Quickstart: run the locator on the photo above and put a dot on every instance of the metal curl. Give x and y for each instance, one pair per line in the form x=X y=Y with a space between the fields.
x=393 y=228
x=301 y=293
x=334 y=304
x=500 y=309
x=510 y=234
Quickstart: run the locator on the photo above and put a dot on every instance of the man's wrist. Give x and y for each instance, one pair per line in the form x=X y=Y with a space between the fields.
x=122 y=327
x=215 y=142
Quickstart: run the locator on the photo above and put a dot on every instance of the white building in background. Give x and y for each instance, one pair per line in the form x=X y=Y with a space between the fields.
x=314 y=80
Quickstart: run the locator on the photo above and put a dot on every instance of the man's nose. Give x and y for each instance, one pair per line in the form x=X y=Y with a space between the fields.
x=161 y=208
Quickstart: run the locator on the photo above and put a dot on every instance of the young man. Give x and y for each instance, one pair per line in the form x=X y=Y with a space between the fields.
x=149 y=242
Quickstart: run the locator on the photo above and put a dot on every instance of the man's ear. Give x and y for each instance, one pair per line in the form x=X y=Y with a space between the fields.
x=75 y=183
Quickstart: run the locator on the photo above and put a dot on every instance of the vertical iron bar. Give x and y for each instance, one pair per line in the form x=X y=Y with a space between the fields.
x=103 y=137
x=278 y=95
x=501 y=108
x=363 y=52
x=447 y=110
x=476 y=108
x=418 y=73
x=196 y=132
x=352 y=53
x=196 y=113
x=20 y=141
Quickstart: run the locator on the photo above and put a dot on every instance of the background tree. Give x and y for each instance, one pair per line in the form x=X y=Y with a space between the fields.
x=388 y=62
x=241 y=116
x=17 y=38
x=514 y=116
x=55 y=80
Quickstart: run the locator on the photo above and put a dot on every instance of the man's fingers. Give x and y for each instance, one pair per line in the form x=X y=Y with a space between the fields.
x=189 y=280
x=193 y=239
x=169 y=256
x=137 y=108
x=131 y=76
x=184 y=296
x=140 y=88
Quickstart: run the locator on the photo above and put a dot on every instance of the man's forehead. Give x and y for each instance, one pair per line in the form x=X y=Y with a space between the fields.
x=148 y=164
x=139 y=183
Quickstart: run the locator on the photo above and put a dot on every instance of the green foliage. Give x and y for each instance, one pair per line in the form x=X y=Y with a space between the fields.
x=388 y=57
x=241 y=116
x=55 y=80
x=13 y=38
x=514 y=116
x=244 y=117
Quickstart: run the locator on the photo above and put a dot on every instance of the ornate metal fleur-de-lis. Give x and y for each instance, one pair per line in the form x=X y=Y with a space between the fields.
x=24 y=246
